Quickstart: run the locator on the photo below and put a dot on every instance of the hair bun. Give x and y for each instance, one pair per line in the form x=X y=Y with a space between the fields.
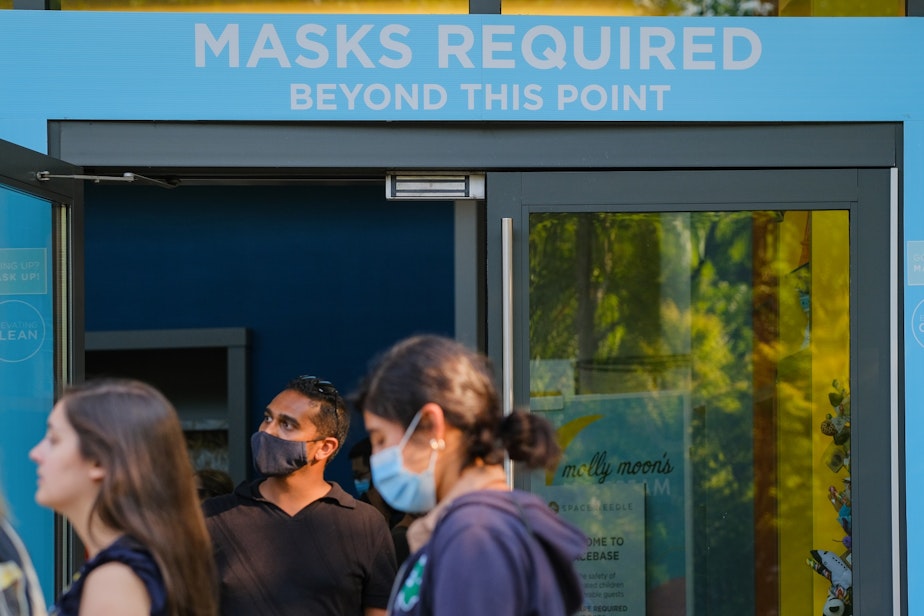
x=530 y=439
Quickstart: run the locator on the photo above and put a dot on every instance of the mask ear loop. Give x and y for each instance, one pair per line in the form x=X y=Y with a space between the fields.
x=410 y=429
x=311 y=460
x=436 y=445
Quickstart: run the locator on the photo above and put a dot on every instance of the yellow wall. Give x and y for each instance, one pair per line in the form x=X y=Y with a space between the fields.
x=830 y=360
x=808 y=520
x=794 y=417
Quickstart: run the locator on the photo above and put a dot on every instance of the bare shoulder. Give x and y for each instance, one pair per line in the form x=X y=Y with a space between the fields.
x=113 y=588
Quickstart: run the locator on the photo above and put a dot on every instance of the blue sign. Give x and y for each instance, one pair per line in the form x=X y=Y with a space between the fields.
x=22 y=330
x=22 y=271
x=300 y=67
x=26 y=365
x=181 y=66
x=628 y=439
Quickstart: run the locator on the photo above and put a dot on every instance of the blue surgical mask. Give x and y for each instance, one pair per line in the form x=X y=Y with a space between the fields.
x=361 y=485
x=274 y=456
x=404 y=490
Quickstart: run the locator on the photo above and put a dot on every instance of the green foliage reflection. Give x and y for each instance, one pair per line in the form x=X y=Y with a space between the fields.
x=645 y=302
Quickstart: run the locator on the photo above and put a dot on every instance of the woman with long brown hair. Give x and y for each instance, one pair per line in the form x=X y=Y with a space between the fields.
x=114 y=462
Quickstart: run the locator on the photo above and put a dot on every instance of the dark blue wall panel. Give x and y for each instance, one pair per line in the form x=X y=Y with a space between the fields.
x=324 y=277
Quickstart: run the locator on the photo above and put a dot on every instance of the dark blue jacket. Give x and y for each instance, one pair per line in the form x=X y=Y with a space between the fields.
x=494 y=552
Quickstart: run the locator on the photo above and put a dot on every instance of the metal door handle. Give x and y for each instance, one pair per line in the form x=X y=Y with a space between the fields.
x=507 y=319
x=507 y=328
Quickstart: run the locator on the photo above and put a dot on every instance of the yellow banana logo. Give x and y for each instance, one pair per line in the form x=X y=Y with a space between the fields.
x=565 y=434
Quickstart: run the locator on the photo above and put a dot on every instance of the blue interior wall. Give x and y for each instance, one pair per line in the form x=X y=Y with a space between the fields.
x=324 y=277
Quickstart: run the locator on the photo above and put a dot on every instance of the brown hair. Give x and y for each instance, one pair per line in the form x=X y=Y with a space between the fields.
x=431 y=368
x=132 y=431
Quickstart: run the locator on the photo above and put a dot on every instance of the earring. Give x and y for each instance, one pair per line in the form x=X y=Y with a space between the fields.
x=437 y=444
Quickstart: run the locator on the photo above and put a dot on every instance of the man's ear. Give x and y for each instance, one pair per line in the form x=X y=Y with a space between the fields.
x=327 y=449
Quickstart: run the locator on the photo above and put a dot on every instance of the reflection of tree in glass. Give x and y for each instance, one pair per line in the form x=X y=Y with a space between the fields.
x=667 y=301
x=709 y=8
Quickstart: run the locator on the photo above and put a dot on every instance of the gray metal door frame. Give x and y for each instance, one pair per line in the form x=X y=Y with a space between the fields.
x=20 y=170
x=278 y=151
x=864 y=192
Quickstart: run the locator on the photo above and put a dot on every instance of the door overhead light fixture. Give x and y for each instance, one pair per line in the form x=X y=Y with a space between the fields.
x=434 y=186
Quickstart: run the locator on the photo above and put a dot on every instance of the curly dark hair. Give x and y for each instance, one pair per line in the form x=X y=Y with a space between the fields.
x=332 y=418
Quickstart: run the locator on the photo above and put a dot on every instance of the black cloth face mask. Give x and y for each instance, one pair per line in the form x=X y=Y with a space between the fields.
x=274 y=456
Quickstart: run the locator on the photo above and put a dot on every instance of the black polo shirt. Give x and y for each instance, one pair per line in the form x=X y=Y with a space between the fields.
x=334 y=557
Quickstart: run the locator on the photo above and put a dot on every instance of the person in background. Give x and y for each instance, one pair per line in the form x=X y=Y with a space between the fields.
x=213 y=482
x=362 y=481
x=439 y=437
x=398 y=521
x=20 y=594
x=293 y=542
x=399 y=536
x=113 y=461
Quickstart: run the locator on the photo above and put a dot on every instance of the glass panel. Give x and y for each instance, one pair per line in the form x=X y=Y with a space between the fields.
x=26 y=364
x=371 y=7
x=782 y=8
x=696 y=368
x=842 y=8
x=746 y=8
x=627 y=8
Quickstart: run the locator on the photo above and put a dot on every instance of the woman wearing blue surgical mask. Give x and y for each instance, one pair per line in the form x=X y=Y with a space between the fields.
x=439 y=438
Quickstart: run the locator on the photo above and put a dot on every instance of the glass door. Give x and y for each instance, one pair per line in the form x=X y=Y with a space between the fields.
x=36 y=325
x=694 y=338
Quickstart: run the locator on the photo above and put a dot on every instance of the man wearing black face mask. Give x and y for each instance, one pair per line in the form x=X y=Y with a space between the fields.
x=293 y=542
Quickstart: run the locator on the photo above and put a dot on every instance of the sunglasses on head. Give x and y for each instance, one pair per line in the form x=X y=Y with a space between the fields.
x=326 y=390
x=323 y=387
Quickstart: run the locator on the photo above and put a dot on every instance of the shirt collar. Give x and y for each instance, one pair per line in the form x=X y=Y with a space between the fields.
x=336 y=494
